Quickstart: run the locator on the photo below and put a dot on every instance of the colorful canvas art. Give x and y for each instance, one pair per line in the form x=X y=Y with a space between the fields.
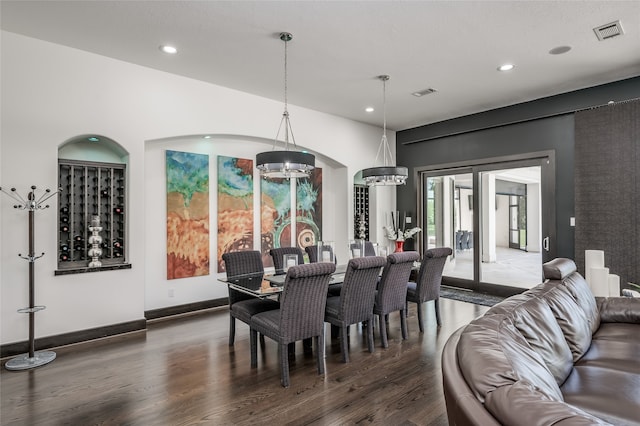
x=309 y=209
x=187 y=214
x=275 y=216
x=235 y=206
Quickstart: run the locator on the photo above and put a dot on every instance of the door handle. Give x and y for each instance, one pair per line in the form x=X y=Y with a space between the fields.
x=545 y=243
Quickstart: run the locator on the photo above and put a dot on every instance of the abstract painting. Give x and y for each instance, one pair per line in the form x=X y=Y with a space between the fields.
x=309 y=209
x=187 y=214
x=275 y=216
x=235 y=206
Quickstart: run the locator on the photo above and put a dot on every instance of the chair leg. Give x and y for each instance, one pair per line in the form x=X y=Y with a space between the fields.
x=370 y=335
x=254 y=348
x=284 y=364
x=307 y=345
x=403 y=324
x=232 y=329
x=383 y=331
x=320 y=351
x=344 y=343
x=437 y=305
x=420 y=320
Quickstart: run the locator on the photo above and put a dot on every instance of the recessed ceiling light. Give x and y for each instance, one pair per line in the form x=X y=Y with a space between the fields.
x=93 y=139
x=421 y=93
x=559 y=50
x=207 y=137
x=506 y=67
x=369 y=109
x=168 y=49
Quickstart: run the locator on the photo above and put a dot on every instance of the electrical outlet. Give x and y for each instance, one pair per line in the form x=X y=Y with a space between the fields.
x=171 y=292
x=572 y=221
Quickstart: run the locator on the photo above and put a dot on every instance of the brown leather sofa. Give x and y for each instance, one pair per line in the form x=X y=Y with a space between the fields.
x=553 y=355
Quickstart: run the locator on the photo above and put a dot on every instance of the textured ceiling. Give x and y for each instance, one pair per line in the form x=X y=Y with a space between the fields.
x=339 y=48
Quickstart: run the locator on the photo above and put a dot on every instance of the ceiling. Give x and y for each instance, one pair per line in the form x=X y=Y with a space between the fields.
x=340 y=47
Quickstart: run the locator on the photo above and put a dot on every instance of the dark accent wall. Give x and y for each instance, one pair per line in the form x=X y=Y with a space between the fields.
x=540 y=125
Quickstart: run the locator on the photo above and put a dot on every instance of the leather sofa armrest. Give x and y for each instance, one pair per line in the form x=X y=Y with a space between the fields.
x=619 y=309
x=522 y=404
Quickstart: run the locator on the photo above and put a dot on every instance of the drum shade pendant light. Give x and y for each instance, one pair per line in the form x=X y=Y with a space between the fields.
x=288 y=163
x=388 y=173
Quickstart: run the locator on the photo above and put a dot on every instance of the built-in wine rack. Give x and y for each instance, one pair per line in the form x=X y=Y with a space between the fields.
x=91 y=189
x=360 y=208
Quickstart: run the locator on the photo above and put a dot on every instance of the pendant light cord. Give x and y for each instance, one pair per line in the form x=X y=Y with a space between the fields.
x=286 y=37
x=384 y=143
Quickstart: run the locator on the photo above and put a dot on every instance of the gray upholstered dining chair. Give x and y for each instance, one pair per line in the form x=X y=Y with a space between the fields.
x=392 y=291
x=369 y=248
x=301 y=315
x=312 y=252
x=427 y=284
x=355 y=302
x=242 y=306
x=278 y=253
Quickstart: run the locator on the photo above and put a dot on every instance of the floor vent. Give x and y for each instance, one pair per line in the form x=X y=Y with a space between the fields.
x=610 y=30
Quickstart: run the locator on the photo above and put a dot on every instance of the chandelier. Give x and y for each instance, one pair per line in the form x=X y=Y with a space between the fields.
x=286 y=163
x=387 y=173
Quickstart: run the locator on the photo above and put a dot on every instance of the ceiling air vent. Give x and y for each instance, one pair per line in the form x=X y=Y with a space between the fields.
x=424 y=92
x=610 y=30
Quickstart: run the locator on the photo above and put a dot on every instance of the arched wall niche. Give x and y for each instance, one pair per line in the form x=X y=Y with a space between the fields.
x=162 y=292
x=92 y=147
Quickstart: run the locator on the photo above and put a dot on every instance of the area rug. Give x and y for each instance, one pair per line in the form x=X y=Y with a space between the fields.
x=469 y=296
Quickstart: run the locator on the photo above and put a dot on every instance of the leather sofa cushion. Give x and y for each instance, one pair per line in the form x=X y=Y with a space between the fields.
x=620 y=332
x=571 y=319
x=583 y=296
x=615 y=355
x=508 y=305
x=538 y=326
x=492 y=353
x=608 y=394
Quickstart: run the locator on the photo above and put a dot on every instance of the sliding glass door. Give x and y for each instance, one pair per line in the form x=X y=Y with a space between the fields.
x=495 y=216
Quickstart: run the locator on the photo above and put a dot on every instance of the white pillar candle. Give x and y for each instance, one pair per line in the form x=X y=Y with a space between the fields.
x=614 y=285
x=592 y=259
x=600 y=282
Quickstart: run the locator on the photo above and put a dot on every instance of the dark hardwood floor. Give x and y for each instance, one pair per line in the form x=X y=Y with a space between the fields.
x=182 y=372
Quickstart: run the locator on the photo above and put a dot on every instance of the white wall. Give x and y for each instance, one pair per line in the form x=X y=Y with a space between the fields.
x=51 y=93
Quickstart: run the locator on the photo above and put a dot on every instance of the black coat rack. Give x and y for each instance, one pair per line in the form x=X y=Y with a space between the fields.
x=31 y=203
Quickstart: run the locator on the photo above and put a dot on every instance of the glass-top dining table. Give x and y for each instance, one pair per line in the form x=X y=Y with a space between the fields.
x=263 y=285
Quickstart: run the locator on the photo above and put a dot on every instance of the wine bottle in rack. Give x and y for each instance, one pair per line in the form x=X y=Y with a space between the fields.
x=64 y=228
x=64 y=248
x=64 y=257
x=64 y=219
x=118 y=210
x=78 y=238
x=117 y=243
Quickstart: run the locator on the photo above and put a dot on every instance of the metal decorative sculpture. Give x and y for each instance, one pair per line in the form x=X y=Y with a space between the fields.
x=95 y=240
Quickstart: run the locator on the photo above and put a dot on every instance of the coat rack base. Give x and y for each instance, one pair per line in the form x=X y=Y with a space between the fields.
x=24 y=362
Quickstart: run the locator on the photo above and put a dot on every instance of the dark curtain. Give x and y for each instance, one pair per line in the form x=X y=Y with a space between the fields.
x=607 y=186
